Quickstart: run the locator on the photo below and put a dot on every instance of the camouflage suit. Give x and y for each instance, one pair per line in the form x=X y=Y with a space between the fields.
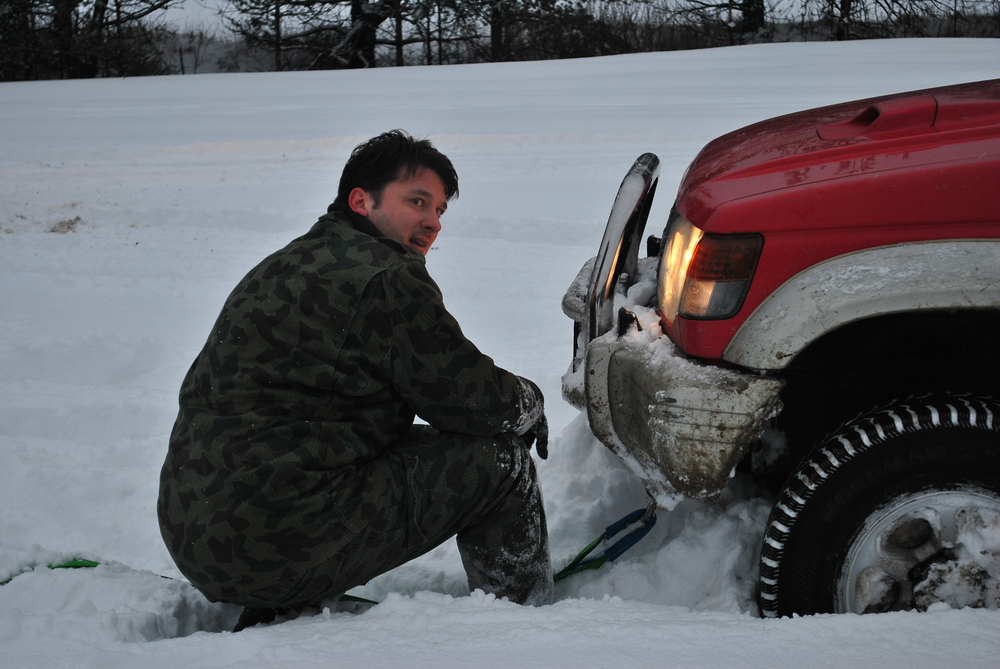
x=294 y=470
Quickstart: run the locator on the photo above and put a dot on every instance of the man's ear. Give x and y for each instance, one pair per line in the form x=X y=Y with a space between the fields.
x=360 y=202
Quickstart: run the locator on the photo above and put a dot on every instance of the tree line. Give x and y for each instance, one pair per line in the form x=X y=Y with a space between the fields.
x=64 y=39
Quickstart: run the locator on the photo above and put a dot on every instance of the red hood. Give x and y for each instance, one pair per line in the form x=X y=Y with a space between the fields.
x=903 y=131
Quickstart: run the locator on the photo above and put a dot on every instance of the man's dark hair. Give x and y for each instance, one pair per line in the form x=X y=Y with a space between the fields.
x=390 y=156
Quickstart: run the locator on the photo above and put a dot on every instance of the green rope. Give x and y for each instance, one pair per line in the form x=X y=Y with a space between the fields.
x=644 y=519
x=572 y=568
x=75 y=563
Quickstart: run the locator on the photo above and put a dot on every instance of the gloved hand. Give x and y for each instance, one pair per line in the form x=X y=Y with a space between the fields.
x=538 y=435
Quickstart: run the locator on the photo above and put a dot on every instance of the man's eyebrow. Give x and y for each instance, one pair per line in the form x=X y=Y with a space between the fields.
x=427 y=194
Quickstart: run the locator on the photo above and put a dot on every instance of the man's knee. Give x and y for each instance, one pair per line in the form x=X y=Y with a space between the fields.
x=458 y=462
x=513 y=461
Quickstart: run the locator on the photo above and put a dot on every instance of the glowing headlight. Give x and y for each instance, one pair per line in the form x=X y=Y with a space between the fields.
x=705 y=276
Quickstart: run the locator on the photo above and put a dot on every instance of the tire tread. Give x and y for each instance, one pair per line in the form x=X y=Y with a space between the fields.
x=846 y=443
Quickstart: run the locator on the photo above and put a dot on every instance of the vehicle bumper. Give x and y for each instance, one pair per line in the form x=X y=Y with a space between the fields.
x=680 y=425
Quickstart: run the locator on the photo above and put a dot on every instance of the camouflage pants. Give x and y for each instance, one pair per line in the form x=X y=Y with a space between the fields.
x=431 y=488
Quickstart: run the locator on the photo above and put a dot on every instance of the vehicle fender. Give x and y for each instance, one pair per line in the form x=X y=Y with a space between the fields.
x=951 y=274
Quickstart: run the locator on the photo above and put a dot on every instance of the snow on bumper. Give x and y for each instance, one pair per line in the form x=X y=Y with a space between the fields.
x=680 y=425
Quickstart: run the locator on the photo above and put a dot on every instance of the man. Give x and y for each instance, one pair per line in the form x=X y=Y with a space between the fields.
x=294 y=470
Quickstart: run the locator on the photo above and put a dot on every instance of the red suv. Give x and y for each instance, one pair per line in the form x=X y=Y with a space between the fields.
x=823 y=311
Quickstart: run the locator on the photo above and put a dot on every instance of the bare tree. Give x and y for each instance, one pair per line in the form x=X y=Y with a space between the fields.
x=80 y=38
x=317 y=34
x=194 y=44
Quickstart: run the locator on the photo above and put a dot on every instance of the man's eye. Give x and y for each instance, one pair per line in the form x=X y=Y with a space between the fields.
x=417 y=201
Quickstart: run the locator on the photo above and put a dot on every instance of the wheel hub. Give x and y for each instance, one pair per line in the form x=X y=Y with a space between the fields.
x=924 y=548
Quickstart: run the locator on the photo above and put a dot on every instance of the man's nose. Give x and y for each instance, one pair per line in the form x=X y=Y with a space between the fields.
x=433 y=222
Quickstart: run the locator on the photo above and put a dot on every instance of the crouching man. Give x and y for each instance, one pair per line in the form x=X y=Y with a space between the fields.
x=295 y=471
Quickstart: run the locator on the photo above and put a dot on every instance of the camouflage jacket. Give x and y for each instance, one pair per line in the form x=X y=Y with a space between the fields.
x=318 y=362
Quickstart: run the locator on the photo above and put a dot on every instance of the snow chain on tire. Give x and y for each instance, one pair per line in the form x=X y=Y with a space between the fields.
x=851 y=440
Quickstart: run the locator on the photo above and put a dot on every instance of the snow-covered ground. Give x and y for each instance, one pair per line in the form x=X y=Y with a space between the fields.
x=128 y=210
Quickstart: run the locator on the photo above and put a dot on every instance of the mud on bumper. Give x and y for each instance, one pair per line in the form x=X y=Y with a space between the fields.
x=680 y=425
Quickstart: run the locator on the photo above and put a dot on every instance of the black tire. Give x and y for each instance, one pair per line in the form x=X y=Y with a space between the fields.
x=867 y=521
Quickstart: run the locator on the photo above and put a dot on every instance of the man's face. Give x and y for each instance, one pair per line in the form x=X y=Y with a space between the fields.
x=409 y=211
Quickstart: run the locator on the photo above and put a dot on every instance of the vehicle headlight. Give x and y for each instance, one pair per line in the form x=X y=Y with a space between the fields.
x=703 y=275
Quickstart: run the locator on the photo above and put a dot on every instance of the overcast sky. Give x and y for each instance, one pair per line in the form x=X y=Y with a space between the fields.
x=194 y=13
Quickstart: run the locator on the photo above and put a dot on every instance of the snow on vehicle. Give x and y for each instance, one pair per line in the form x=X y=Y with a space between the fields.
x=823 y=309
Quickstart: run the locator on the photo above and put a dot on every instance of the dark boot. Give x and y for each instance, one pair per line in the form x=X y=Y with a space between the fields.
x=252 y=617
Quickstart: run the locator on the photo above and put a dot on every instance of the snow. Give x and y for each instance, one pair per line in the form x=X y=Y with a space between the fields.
x=128 y=210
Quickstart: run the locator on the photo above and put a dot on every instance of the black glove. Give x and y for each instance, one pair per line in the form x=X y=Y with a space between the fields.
x=539 y=436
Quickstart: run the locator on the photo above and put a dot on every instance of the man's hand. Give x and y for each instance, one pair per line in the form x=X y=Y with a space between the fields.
x=538 y=435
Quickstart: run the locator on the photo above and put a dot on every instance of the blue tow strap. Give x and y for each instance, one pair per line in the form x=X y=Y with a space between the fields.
x=645 y=518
